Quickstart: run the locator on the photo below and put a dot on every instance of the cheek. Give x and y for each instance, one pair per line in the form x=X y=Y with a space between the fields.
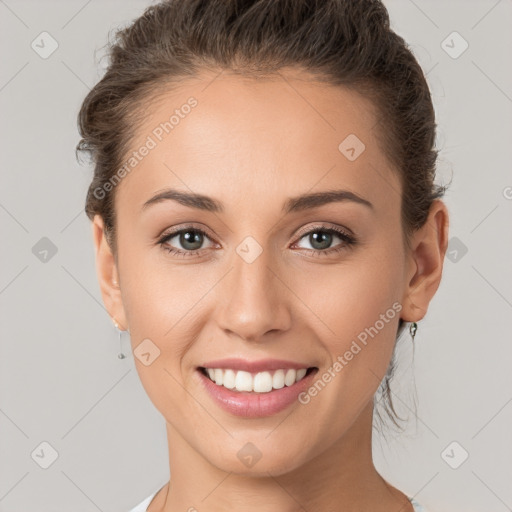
x=153 y=292
x=359 y=311
x=165 y=303
x=358 y=303
x=161 y=308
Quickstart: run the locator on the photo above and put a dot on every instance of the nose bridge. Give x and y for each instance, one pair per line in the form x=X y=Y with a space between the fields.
x=255 y=299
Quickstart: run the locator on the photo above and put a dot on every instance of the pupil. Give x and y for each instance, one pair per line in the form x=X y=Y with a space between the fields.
x=325 y=239
x=191 y=237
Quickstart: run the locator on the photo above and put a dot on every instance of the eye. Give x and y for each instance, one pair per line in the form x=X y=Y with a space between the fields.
x=321 y=237
x=189 y=238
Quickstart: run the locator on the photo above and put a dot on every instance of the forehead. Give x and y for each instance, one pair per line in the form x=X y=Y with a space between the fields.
x=224 y=135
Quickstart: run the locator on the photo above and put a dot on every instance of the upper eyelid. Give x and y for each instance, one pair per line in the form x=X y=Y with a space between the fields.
x=190 y=227
x=325 y=226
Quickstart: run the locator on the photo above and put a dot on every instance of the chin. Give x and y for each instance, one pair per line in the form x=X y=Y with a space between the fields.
x=249 y=460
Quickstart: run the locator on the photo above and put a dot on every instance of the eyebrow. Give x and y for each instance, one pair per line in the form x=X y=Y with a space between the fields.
x=294 y=204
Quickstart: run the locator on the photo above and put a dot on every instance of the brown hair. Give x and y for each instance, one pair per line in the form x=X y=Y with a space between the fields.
x=340 y=42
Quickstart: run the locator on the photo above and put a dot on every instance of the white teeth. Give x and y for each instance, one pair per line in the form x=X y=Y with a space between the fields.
x=290 y=376
x=261 y=382
x=278 y=379
x=219 y=374
x=300 y=374
x=229 y=380
x=243 y=381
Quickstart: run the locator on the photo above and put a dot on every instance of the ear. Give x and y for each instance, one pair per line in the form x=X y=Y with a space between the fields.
x=106 y=269
x=425 y=262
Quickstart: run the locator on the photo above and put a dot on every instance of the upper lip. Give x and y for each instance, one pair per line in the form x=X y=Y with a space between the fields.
x=254 y=366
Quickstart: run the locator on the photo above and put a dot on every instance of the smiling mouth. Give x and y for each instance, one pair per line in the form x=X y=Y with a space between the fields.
x=260 y=382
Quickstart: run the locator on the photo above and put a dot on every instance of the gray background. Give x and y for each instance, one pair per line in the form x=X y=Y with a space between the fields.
x=60 y=379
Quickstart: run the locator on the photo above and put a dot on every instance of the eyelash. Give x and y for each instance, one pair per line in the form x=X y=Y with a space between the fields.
x=349 y=241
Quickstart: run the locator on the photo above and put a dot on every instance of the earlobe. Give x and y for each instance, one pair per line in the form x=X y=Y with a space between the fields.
x=107 y=272
x=428 y=249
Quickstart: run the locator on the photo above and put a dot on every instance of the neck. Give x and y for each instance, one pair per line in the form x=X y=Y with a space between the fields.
x=342 y=474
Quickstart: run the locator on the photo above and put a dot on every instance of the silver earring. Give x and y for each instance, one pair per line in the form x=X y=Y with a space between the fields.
x=412 y=329
x=120 y=333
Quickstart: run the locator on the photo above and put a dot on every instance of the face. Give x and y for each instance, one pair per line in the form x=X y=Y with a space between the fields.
x=253 y=274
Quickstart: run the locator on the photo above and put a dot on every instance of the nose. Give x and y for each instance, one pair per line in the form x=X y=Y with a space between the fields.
x=254 y=299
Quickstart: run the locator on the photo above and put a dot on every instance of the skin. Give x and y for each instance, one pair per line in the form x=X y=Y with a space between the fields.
x=252 y=145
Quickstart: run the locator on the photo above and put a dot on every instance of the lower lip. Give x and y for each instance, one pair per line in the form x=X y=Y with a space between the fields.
x=255 y=405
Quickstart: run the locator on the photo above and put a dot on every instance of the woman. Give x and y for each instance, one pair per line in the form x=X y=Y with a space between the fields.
x=266 y=225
